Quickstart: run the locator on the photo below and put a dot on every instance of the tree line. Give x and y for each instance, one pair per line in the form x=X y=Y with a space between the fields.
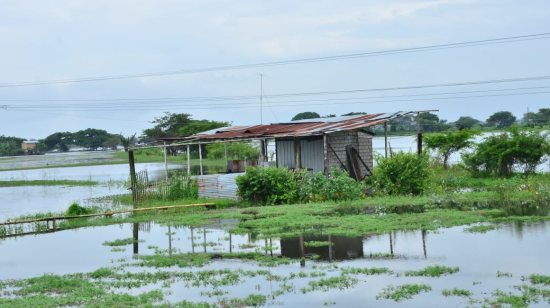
x=430 y=122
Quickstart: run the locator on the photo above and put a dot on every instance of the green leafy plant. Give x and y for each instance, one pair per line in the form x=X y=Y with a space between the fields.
x=268 y=186
x=75 y=209
x=447 y=143
x=402 y=173
x=513 y=150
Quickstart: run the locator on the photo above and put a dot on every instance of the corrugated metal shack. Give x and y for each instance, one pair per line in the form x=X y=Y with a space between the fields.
x=313 y=144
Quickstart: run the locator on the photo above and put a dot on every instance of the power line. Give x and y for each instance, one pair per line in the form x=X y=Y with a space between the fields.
x=233 y=106
x=242 y=97
x=290 y=62
x=135 y=105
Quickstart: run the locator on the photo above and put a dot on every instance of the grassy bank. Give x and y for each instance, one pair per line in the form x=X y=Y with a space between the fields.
x=47 y=183
x=120 y=158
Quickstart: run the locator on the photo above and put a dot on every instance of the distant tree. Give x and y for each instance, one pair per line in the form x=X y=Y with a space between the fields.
x=306 y=115
x=502 y=119
x=167 y=125
x=431 y=123
x=91 y=138
x=466 y=122
x=16 y=140
x=198 y=126
x=60 y=141
x=329 y=116
x=111 y=143
x=353 y=113
x=447 y=143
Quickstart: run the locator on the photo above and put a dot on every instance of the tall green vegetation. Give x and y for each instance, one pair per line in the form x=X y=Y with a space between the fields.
x=402 y=173
x=513 y=150
x=10 y=146
x=447 y=143
x=466 y=122
x=268 y=186
x=235 y=150
x=275 y=186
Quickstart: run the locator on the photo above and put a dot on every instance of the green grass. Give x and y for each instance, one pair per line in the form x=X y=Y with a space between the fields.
x=433 y=271
x=47 y=183
x=317 y=244
x=406 y=291
x=456 y=292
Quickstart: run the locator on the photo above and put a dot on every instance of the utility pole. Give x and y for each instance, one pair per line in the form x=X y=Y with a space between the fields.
x=261 y=97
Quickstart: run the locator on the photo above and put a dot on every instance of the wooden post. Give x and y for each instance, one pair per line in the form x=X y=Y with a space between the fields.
x=262 y=152
x=226 y=156
x=230 y=244
x=325 y=154
x=133 y=181
x=166 y=161
x=418 y=134
x=297 y=154
x=188 y=161
x=386 y=138
x=200 y=156
x=53 y=224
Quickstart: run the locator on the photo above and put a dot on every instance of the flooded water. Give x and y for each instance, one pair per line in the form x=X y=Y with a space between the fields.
x=54 y=159
x=16 y=201
x=516 y=248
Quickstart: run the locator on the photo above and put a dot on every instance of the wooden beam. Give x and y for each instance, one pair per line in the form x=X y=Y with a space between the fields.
x=133 y=180
x=188 y=161
x=297 y=154
x=325 y=154
x=200 y=157
x=166 y=161
x=226 y=157
x=53 y=219
x=386 y=138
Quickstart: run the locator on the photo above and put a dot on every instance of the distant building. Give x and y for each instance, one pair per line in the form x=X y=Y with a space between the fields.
x=28 y=145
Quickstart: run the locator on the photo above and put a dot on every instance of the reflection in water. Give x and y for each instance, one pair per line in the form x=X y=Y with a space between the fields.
x=136 y=238
x=339 y=248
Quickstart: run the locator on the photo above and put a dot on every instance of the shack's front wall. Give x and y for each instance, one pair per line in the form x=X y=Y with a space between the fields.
x=360 y=140
x=312 y=151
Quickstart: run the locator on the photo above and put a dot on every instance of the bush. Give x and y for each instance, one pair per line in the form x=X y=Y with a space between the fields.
x=513 y=150
x=75 y=210
x=402 y=173
x=269 y=185
x=337 y=186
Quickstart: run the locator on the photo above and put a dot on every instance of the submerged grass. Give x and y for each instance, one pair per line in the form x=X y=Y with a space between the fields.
x=406 y=291
x=120 y=242
x=456 y=292
x=433 y=271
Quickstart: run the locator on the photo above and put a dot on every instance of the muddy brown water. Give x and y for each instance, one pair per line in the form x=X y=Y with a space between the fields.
x=518 y=248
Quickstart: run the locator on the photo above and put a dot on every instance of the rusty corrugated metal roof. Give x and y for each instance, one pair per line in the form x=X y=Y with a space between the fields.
x=310 y=127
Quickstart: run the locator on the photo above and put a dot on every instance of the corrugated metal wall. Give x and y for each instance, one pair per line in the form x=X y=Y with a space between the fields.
x=285 y=153
x=218 y=186
x=313 y=154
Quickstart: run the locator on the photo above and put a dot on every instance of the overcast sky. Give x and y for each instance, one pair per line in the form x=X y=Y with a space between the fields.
x=67 y=39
